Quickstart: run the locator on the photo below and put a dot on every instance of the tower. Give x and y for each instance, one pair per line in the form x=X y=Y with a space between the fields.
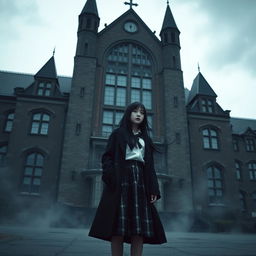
x=178 y=190
x=87 y=30
x=80 y=111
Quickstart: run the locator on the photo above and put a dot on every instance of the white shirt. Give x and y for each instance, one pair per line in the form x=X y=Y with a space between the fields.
x=136 y=153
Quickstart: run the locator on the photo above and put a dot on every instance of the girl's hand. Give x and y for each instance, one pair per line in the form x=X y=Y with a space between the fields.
x=153 y=198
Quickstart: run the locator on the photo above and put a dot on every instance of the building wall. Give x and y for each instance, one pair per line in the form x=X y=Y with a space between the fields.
x=21 y=142
x=230 y=210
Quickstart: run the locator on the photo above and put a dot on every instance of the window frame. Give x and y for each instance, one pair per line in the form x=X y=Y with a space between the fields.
x=249 y=144
x=9 y=120
x=207 y=105
x=34 y=167
x=45 y=89
x=121 y=61
x=40 y=124
x=210 y=139
x=243 y=201
x=252 y=170
x=238 y=169
x=235 y=143
x=215 y=199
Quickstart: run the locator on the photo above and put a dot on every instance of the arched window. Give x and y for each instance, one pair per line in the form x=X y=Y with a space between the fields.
x=128 y=78
x=40 y=123
x=215 y=184
x=9 y=122
x=33 y=170
x=252 y=170
x=210 y=139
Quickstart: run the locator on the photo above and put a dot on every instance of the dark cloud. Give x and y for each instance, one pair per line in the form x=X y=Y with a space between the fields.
x=231 y=30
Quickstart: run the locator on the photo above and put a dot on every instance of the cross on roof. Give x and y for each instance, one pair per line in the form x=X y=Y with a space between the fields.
x=131 y=4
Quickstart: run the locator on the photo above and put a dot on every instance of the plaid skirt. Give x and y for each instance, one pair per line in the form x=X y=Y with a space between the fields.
x=134 y=215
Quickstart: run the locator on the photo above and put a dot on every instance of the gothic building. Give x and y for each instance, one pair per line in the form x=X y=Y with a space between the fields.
x=54 y=129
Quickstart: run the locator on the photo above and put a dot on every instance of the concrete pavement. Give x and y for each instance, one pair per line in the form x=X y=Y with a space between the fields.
x=20 y=241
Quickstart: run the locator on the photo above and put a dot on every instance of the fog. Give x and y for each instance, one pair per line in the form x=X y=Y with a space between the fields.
x=17 y=209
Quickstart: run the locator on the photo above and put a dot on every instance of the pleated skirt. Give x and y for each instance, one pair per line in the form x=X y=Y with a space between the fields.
x=134 y=213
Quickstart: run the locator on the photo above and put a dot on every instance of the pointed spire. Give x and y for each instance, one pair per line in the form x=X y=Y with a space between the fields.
x=200 y=87
x=48 y=70
x=169 y=21
x=90 y=7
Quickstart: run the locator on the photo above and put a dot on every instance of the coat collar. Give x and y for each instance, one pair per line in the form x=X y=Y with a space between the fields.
x=122 y=141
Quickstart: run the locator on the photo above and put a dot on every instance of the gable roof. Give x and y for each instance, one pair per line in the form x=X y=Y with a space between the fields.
x=10 y=80
x=241 y=125
x=136 y=16
x=200 y=87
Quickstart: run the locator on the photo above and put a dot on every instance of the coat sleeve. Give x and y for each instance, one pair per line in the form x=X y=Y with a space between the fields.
x=107 y=160
x=153 y=181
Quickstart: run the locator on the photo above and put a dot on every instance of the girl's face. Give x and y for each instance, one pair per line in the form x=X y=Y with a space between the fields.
x=137 y=116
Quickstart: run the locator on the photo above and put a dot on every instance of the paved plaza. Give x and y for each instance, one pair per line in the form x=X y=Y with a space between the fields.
x=20 y=241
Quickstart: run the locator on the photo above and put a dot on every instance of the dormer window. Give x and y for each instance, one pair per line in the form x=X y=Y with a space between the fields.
x=44 y=89
x=249 y=145
x=207 y=105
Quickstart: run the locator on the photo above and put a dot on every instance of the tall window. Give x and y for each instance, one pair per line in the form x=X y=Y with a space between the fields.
x=128 y=79
x=40 y=123
x=238 y=170
x=9 y=122
x=235 y=144
x=242 y=197
x=3 y=153
x=252 y=170
x=215 y=184
x=210 y=139
x=33 y=170
x=249 y=144
x=207 y=105
x=44 y=89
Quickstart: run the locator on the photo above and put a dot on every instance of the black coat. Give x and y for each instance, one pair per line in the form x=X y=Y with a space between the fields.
x=112 y=163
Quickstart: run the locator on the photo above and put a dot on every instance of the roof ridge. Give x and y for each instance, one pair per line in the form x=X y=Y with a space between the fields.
x=16 y=72
x=29 y=74
x=243 y=118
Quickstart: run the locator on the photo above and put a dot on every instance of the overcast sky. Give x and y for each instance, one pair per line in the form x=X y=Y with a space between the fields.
x=220 y=35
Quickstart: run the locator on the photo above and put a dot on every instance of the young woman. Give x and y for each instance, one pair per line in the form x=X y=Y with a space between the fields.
x=126 y=212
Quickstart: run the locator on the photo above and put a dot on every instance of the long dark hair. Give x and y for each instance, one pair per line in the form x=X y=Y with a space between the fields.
x=126 y=123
